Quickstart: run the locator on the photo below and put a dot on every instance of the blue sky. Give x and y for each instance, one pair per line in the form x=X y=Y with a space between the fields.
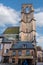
x=16 y=4
x=10 y=15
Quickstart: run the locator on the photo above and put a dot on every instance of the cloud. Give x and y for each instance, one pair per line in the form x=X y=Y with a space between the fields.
x=39 y=17
x=37 y=10
x=37 y=34
x=8 y=16
x=40 y=41
x=11 y=17
x=39 y=24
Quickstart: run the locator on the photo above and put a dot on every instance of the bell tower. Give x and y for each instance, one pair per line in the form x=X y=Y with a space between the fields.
x=27 y=26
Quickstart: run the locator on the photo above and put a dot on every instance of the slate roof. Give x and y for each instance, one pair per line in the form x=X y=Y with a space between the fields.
x=20 y=44
x=1 y=36
x=5 y=40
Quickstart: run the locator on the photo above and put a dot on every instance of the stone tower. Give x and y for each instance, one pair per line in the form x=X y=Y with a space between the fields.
x=27 y=26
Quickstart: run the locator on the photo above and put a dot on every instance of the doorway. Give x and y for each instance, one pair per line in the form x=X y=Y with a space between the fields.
x=25 y=61
x=6 y=59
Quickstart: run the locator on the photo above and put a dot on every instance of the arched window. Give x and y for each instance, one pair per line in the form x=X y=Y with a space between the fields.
x=27 y=10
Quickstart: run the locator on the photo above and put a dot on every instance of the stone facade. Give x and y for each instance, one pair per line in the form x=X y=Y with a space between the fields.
x=6 y=53
x=27 y=27
x=27 y=33
x=25 y=51
x=1 y=48
x=39 y=54
x=42 y=55
x=26 y=39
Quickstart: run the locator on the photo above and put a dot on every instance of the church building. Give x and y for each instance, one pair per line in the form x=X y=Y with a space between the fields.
x=24 y=50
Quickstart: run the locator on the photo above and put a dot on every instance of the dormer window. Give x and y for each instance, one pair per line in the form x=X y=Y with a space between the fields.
x=24 y=45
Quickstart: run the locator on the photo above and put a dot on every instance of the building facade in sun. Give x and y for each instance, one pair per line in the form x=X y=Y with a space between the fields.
x=12 y=33
x=22 y=50
x=39 y=54
x=28 y=26
x=1 y=48
x=19 y=43
x=10 y=36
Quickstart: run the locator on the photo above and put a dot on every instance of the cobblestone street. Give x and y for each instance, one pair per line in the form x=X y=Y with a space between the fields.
x=39 y=63
x=13 y=64
x=5 y=64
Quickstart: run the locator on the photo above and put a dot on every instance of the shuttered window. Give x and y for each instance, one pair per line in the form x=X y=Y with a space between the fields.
x=19 y=52
x=27 y=52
